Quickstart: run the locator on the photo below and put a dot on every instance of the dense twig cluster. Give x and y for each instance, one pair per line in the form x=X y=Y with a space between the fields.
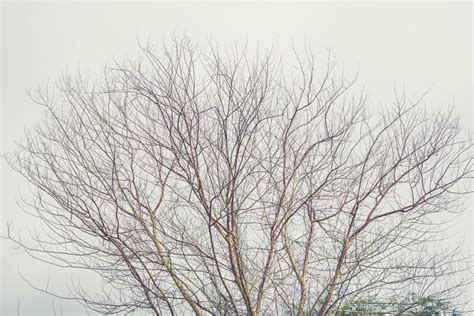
x=216 y=183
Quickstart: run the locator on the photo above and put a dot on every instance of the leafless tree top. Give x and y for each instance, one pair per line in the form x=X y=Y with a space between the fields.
x=218 y=182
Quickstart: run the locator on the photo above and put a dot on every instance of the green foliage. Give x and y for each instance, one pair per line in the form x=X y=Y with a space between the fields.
x=409 y=304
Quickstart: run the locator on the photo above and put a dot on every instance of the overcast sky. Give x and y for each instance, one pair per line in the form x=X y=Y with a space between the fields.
x=419 y=46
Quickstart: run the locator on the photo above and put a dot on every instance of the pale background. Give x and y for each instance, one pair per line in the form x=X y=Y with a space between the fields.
x=417 y=45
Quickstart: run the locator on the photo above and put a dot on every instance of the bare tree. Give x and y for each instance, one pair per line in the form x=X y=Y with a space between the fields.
x=222 y=183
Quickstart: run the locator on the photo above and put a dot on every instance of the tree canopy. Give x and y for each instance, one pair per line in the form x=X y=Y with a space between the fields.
x=221 y=182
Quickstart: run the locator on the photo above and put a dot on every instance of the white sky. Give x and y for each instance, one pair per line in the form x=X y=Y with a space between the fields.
x=417 y=45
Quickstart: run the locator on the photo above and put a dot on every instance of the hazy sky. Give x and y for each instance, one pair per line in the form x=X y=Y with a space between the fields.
x=416 y=45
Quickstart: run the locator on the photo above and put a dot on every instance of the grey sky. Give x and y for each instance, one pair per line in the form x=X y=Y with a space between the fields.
x=417 y=45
